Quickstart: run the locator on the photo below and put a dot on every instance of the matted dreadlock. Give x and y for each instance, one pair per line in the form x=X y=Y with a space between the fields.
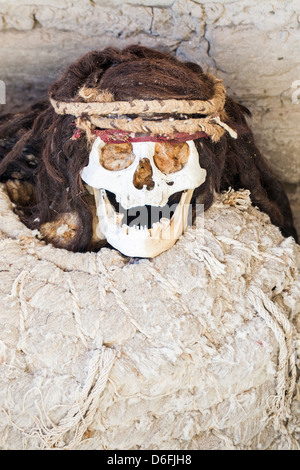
x=37 y=145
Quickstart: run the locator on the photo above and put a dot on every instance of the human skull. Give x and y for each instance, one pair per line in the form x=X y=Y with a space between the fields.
x=139 y=177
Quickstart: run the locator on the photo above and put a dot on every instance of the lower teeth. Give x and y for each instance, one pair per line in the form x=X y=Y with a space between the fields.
x=160 y=228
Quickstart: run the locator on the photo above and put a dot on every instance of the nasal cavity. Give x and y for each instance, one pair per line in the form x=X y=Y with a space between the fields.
x=143 y=175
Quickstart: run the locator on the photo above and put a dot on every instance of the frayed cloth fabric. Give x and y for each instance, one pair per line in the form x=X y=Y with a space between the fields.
x=195 y=349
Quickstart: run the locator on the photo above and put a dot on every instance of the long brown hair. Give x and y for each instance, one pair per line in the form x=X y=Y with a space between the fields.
x=36 y=144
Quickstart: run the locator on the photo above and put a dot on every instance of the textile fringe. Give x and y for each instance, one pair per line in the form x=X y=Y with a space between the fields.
x=77 y=309
x=241 y=200
x=18 y=291
x=230 y=131
x=286 y=372
x=212 y=264
x=204 y=254
x=228 y=442
x=80 y=416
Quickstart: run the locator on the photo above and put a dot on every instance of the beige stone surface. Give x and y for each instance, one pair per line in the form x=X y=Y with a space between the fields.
x=253 y=45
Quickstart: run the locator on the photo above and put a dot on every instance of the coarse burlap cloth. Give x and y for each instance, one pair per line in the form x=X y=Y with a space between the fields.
x=194 y=349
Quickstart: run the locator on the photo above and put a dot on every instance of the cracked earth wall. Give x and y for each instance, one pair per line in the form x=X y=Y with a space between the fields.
x=252 y=45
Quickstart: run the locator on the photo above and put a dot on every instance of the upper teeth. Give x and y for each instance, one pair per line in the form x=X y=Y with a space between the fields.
x=157 y=229
x=139 y=240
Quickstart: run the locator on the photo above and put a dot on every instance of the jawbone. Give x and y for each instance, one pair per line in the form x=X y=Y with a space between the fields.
x=140 y=242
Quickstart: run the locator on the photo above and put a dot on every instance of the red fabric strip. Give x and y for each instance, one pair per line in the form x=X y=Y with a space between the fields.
x=115 y=136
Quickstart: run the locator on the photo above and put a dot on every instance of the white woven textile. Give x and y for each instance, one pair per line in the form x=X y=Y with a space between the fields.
x=194 y=349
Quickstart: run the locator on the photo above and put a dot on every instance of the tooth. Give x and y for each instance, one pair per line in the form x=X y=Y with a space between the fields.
x=118 y=218
x=180 y=217
x=102 y=216
x=110 y=211
x=165 y=222
x=166 y=229
x=125 y=229
x=133 y=229
x=144 y=231
x=156 y=230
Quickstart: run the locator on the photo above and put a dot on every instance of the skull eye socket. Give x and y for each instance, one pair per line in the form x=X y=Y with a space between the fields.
x=170 y=158
x=115 y=157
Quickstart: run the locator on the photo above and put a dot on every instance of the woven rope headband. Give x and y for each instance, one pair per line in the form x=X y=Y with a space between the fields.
x=100 y=111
